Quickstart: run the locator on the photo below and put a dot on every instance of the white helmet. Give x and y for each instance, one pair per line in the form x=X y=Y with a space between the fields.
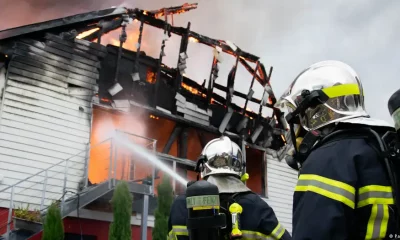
x=342 y=89
x=221 y=156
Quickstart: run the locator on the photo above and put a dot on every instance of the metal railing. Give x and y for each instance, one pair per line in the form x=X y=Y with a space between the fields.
x=68 y=177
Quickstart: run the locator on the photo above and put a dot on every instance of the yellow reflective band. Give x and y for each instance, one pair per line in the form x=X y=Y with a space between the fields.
x=278 y=231
x=374 y=194
x=276 y=234
x=178 y=230
x=171 y=235
x=326 y=187
x=378 y=221
x=205 y=208
x=342 y=90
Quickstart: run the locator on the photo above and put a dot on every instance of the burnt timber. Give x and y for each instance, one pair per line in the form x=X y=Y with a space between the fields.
x=57 y=79
x=170 y=103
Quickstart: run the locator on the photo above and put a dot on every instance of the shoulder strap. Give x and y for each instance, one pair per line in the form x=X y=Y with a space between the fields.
x=374 y=140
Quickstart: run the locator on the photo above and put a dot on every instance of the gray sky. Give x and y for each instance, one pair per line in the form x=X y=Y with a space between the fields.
x=289 y=35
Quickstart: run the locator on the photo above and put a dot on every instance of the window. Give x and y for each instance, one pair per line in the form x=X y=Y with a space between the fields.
x=256 y=168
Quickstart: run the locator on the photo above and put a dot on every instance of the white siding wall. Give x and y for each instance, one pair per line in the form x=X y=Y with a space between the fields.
x=43 y=121
x=281 y=181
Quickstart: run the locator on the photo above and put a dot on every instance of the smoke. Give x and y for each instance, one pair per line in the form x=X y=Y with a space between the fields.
x=105 y=126
x=289 y=35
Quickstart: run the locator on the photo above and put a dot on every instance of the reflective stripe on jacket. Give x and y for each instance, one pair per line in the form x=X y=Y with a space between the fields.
x=258 y=220
x=343 y=193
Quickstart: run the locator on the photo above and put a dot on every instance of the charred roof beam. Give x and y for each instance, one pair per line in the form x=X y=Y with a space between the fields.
x=201 y=38
x=104 y=28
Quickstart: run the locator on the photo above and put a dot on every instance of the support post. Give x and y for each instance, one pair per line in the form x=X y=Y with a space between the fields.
x=10 y=210
x=115 y=165
x=182 y=150
x=182 y=49
x=211 y=80
x=263 y=174
x=87 y=162
x=183 y=143
x=136 y=73
x=99 y=34
x=145 y=212
x=65 y=185
x=251 y=92
x=153 y=173
x=173 y=179
x=267 y=90
x=231 y=82
x=162 y=54
x=122 y=39
x=44 y=190
x=202 y=139
x=175 y=132
x=110 y=165
x=243 y=143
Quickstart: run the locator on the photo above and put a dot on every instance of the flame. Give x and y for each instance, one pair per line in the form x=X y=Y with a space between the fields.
x=105 y=100
x=87 y=33
x=157 y=15
x=131 y=44
x=150 y=76
x=269 y=100
x=145 y=13
x=114 y=42
x=193 y=90
x=154 y=117
x=193 y=39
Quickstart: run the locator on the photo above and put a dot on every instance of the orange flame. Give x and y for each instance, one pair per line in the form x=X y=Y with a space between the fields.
x=150 y=76
x=87 y=33
x=192 y=39
x=193 y=90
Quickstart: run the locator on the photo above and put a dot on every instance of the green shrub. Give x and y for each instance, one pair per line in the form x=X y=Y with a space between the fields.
x=120 y=228
x=164 y=201
x=53 y=228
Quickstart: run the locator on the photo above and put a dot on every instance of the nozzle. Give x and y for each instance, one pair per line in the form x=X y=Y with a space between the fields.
x=235 y=209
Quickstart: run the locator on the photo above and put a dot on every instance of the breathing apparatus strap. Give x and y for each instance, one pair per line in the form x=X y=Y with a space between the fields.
x=226 y=201
x=199 y=163
x=384 y=151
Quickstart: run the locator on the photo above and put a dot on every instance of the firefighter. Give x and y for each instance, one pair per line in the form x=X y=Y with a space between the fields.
x=344 y=189
x=221 y=164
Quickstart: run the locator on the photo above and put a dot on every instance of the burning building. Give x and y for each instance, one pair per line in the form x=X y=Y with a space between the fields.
x=65 y=97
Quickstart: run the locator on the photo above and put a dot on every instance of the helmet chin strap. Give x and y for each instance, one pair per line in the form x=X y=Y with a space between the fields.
x=199 y=165
x=306 y=100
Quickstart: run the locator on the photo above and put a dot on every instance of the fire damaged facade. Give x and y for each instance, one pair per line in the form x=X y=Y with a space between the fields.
x=65 y=94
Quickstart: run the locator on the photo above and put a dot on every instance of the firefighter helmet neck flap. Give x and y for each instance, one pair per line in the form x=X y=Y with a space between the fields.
x=221 y=163
x=325 y=93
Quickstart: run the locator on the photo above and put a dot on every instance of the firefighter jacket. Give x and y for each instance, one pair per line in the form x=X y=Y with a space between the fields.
x=343 y=193
x=258 y=220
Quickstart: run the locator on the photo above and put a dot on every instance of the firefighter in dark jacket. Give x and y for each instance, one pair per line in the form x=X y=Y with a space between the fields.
x=221 y=163
x=343 y=190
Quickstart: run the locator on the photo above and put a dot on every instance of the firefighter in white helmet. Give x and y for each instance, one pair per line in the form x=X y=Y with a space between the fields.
x=221 y=163
x=345 y=186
